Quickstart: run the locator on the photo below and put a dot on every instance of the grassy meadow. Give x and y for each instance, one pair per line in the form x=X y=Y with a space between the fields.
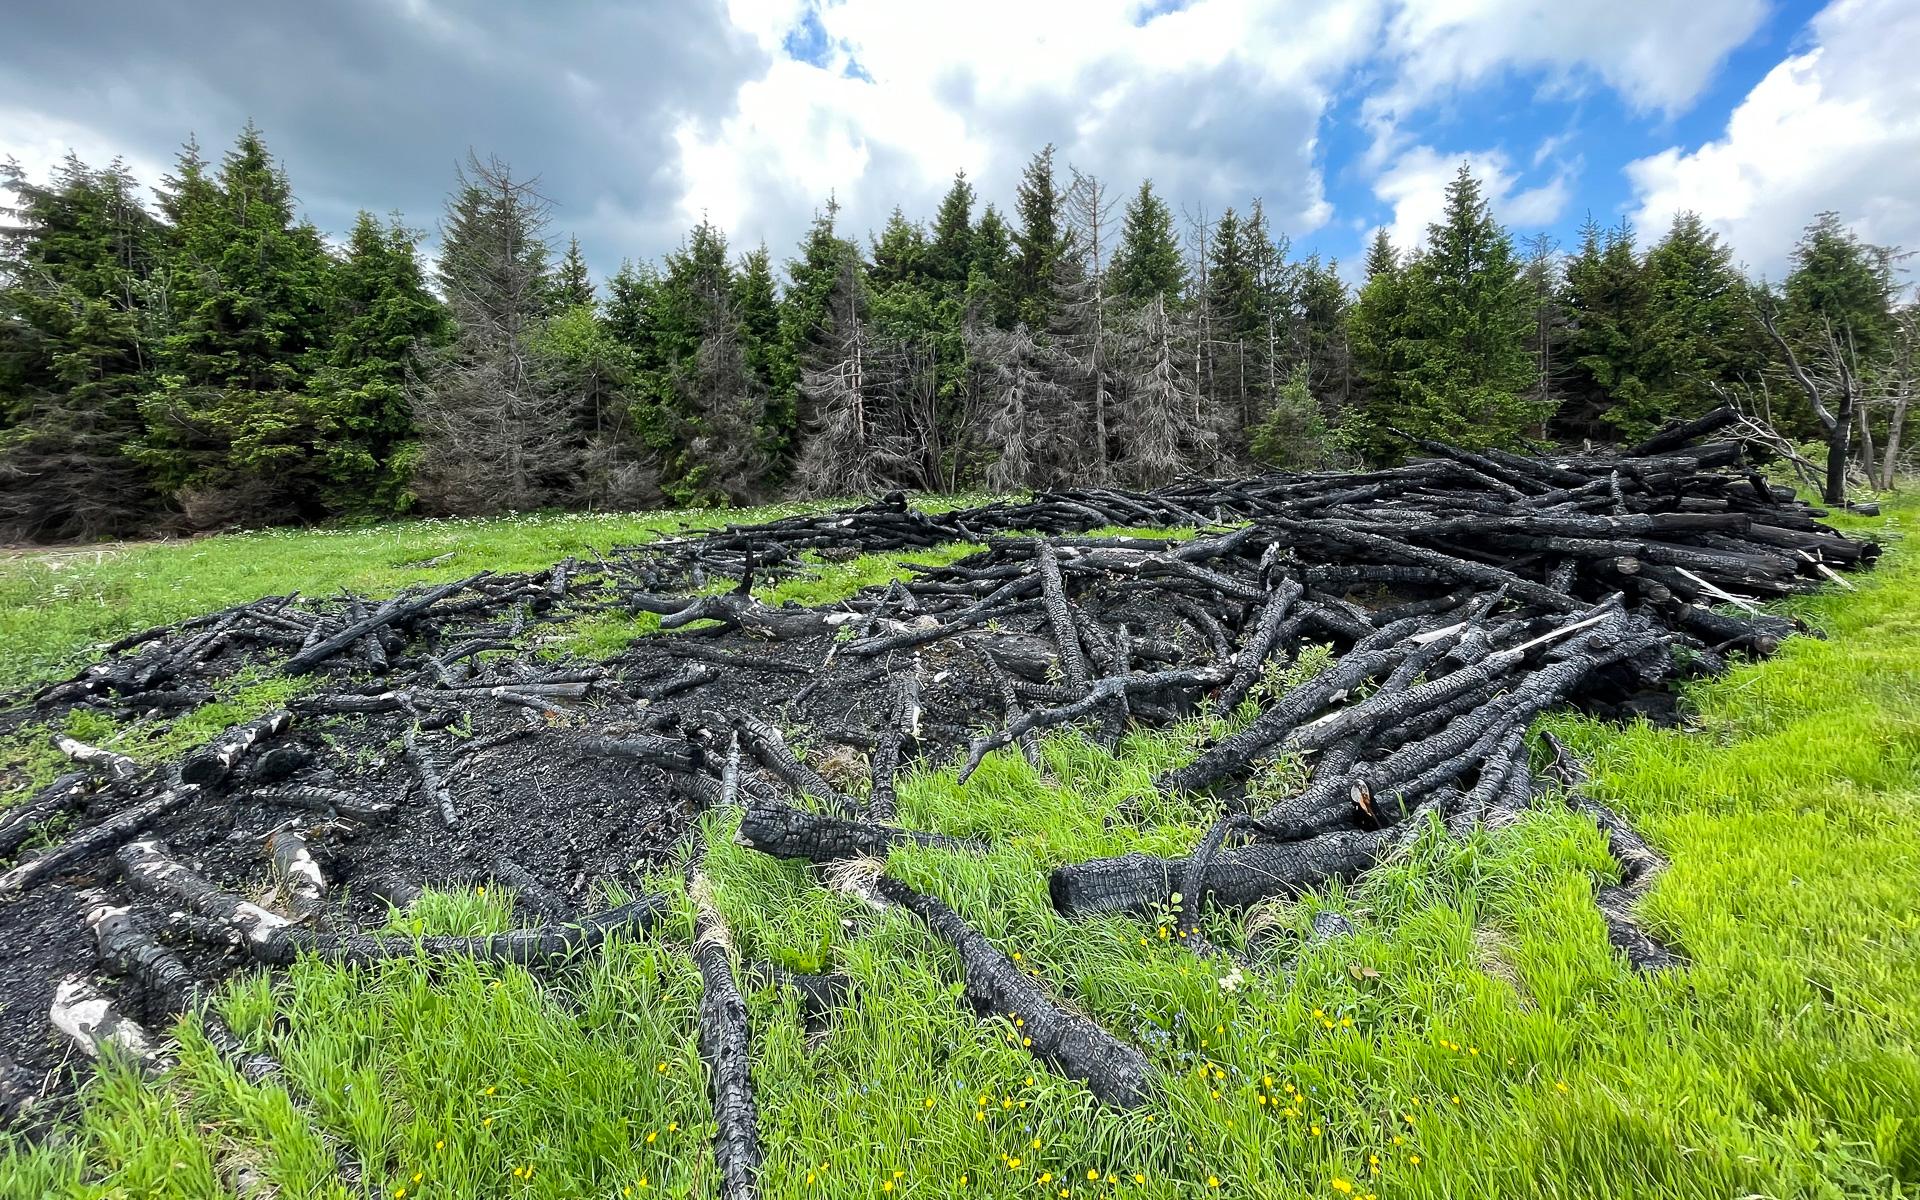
x=1478 y=1038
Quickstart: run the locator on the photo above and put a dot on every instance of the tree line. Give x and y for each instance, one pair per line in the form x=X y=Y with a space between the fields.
x=214 y=361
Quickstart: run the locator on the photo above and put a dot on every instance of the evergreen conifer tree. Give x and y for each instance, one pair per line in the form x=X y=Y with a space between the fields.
x=76 y=276
x=572 y=283
x=383 y=318
x=1608 y=293
x=1842 y=283
x=1148 y=263
x=1443 y=338
x=232 y=429
x=1040 y=243
x=950 y=251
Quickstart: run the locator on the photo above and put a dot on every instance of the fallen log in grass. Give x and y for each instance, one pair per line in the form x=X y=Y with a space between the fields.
x=1141 y=884
x=726 y=1045
x=780 y=830
x=94 y=839
x=996 y=987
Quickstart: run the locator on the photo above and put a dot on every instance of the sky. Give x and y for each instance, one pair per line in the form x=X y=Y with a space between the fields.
x=643 y=117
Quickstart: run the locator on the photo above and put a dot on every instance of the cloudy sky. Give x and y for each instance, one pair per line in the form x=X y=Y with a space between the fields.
x=1342 y=115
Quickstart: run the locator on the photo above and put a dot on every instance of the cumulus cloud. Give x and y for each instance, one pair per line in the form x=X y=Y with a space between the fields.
x=1416 y=184
x=1656 y=54
x=642 y=116
x=1217 y=101
x=1837 y=127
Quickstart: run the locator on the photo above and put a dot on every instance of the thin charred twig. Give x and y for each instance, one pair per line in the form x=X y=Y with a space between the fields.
x=1010 y=702
x=393 y=610
x=1101 y=693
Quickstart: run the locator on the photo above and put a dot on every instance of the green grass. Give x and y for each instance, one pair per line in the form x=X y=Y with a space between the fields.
x=1479 y=1022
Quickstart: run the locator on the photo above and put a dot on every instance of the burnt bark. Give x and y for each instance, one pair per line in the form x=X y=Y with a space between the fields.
x=726 y=1047
x=394 y=610
x=93 y=840
x=1141 y=883
x=783 y=831
x=214 y=763
x=1113 y=1071
x=65 y=793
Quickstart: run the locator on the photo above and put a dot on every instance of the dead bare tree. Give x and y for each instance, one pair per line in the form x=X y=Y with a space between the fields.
x=1834 y=376
x=1089 y=209
x=494 y=428
x=838 y=456
x=1167 y=429
x=1900 y=380
x=1030 y=412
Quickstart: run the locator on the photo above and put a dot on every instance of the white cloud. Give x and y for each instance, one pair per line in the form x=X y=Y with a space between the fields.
x=1416 y=184
x=1657 y=54
x=39 y=143
x=1218 y=103
x=1835 y=128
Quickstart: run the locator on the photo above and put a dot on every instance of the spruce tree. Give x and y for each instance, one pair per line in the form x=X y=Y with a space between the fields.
x=717 y=400
x=231 y=429
x=1320 y=310
x=1843 y=284
x=1040 y=243
x=950 y=251
x=989 y=296
x=1704 y=337
x=384 y=320
x=1148 y=263
x=77 y=265
x=1443 y=338
x=900 y=253
x=572 y=283
x=756 y=298
x=1608 y=294
x=1237 y=324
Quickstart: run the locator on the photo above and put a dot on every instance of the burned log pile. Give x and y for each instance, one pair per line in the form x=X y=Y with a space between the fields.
x=1352 y=659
